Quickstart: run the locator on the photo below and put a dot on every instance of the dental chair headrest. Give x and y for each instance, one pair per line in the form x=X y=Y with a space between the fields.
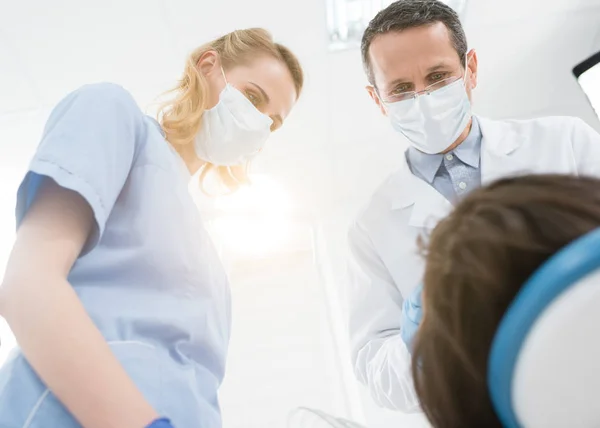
x=544 y=365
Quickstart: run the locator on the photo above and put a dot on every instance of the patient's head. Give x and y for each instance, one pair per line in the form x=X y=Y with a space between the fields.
x=476 y=261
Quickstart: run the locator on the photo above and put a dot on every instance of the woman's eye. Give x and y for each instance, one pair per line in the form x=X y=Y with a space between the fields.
x=437 y=76
x=253 y=98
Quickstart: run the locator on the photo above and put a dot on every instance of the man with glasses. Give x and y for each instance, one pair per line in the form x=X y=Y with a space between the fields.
x=421 y=76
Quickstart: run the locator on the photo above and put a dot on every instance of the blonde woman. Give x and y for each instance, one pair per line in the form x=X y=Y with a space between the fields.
x=119 y=304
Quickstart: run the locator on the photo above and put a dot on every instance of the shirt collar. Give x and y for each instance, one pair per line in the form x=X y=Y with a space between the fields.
x=424 y=164
x=468 y=151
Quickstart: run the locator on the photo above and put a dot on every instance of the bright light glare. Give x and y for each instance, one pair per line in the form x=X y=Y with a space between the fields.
x=254 y=221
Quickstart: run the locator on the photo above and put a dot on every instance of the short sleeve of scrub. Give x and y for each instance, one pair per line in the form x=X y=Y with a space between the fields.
x=88 y=146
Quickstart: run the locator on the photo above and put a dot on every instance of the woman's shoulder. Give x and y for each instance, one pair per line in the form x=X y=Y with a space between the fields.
x=94 y=107
x=106 y=93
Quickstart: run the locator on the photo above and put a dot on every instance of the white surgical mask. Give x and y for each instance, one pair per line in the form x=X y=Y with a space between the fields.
x=233 y=131
x=432 y=122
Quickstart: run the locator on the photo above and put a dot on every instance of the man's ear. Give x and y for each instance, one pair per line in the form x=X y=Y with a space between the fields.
x=472 y=68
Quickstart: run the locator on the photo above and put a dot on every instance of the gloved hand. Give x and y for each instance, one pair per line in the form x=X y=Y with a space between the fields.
x=411 y=316
x=161 y=423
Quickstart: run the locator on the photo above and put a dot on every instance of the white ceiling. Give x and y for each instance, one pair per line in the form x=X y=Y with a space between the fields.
x=335 y=147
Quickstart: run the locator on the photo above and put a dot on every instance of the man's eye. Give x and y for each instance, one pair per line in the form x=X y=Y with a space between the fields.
x=437 y=77
x=400 y=90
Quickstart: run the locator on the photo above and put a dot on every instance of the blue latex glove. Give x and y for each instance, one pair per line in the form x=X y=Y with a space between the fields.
x=412 y=314
x=161 y=423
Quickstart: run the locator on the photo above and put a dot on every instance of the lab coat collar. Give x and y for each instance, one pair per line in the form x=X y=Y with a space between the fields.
x=428 y=204
x=498 y=141
x=498 y=138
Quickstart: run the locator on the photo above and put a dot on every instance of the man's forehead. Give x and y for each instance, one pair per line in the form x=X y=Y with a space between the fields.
x=415 y=49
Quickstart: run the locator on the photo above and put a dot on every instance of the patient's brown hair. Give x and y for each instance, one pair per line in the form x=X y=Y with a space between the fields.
x=477 y=259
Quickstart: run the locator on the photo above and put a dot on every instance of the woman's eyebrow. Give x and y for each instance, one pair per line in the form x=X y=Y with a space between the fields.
x=262 y=91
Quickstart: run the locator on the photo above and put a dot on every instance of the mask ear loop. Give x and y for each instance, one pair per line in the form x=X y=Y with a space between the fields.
x=383 y=103
x=224 y=78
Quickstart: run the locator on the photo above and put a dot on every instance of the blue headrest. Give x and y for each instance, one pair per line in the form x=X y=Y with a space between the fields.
x=558 y=274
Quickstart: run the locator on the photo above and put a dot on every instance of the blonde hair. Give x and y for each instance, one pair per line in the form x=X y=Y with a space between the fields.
x=181 y=116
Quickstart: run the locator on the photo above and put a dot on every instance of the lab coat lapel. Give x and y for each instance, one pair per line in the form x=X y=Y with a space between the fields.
x=430 y=208
x=427 y=205
x=498 y=145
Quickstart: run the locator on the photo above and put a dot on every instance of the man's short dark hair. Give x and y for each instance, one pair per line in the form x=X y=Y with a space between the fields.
x=405 y=14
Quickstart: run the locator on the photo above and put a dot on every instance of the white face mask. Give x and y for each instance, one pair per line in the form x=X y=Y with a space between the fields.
x=432 y=122
x=233 y=131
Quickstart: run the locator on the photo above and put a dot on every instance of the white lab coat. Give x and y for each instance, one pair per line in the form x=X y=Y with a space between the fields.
x=385 y=265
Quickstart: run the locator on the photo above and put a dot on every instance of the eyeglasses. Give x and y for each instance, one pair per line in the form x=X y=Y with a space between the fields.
x=403 y=96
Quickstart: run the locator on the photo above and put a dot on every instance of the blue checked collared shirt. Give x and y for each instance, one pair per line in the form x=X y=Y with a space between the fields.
x=453 y=174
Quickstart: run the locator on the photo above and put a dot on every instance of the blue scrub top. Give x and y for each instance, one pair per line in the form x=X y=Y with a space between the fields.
x=149 y=276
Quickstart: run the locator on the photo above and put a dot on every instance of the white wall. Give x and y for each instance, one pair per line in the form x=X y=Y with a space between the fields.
x=281 y=354
x=527 y=50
